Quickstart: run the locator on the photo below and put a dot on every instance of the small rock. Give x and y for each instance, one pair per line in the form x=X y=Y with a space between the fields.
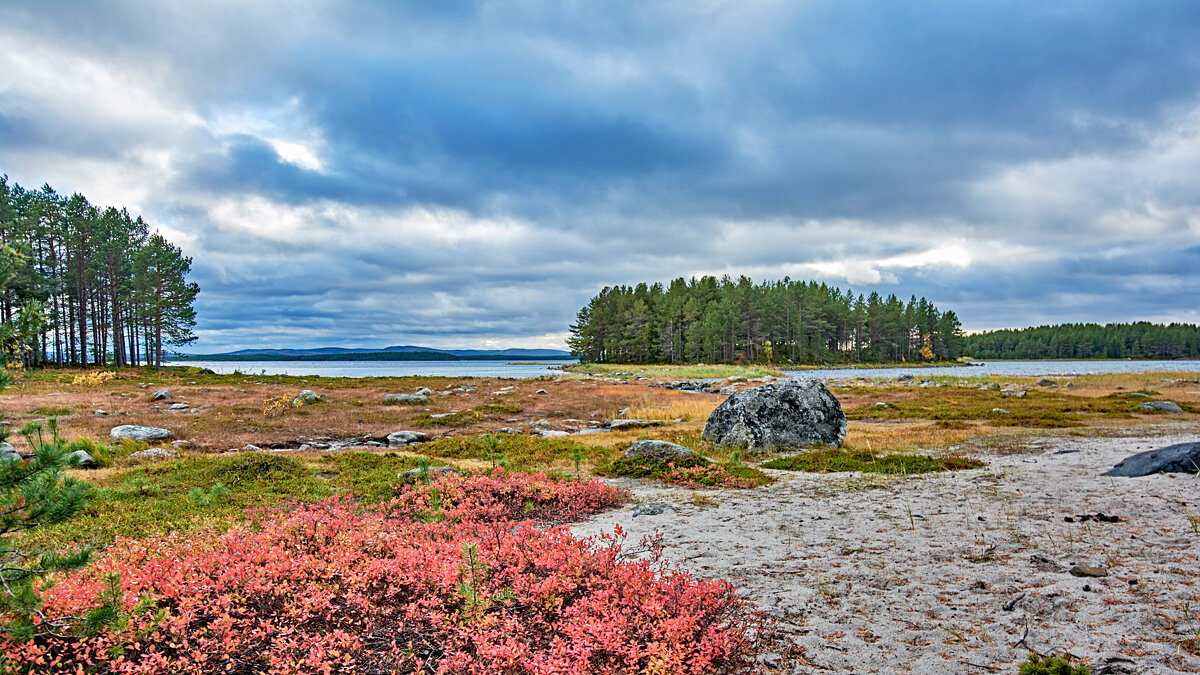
x=399 y=439
x=178 y=406
x=179 y=445
x=1046 y=382
x=541 y=392
x=1163 y=406
x=307 y=397
x=81 y=459
x=102 y=413
x=1013 y=393
x=152 y=455
x=506 y=430
x=1089 y=571
x=664 y=450
x=424 y=391
x=8 y=452
x=728 y=391
x=250 y=447
x=1070 y=385
x=160 y=395
x=433 y=471
x=881 y=404
x=1044 y=563
x=207 y=371
x=1000 y=411
x=552 y=433
x=622 y=412
x=140 y=433
x=632 y=424
x=406 y=399
x=650 y=509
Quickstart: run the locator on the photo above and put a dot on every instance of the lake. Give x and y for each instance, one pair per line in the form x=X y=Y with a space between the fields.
x=1014 y=368
x=525 y=370
x=380 y=368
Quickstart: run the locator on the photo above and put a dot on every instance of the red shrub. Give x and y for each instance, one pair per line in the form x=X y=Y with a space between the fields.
x=329 y=588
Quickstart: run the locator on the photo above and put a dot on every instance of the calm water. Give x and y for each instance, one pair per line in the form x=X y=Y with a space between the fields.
x=507 y=369
x=379 y=368
x=1015 y=368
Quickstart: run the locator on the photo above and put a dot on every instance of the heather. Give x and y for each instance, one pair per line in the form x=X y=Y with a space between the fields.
x=450 y=576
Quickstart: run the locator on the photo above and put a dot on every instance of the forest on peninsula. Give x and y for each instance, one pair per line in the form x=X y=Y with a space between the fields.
x=805 y=322
x=87 y=285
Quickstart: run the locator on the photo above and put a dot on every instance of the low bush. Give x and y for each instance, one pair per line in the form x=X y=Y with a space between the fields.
x=1051 y=665
x=695 y=472
x=843 y=459
x=335 y=588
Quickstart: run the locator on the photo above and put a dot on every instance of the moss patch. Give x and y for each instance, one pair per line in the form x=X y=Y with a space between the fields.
x=688 y=472
x=830 y=460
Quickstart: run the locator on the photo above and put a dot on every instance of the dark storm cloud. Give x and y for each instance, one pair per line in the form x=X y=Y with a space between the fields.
x=346 y=172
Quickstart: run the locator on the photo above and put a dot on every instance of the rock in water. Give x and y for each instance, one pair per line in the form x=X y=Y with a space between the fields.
x=1180 y=458
x=794 y=413
x=140 y=433
x=658 y=450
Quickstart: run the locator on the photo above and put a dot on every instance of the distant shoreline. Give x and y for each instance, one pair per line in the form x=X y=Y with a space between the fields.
x=369 y=356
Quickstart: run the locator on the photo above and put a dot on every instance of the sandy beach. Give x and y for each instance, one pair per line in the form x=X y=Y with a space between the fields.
x=955 y=572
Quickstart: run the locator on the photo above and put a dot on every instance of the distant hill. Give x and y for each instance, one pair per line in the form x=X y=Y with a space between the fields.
x=394 y=353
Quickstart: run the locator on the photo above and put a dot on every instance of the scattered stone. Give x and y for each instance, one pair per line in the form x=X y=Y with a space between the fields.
x=1179 y=458
x=664 y=450
x=152 y=455
x=1000 y=411
x=882 y=404
x=207 y=371
x=178 y=406
x=1115 y=664
x=650 y=509
x=731 y=389
x=1070 y=385
x=631 y=424
x=1044 y=563
x=552 y=433
x=160 y=395
x=905 y=378
x=400 y=439
x=102 y=413
x=541 y=392
x=1089 y=571
x=424 y=391
x=592 y=430
x=1046 y=382
x=8 y=452
x=794 y=413
x=506 y=430
x=1164 y=406
x=406 y=399
x=1099 y=517
x=82 y=460
x=140 y=433
x=179 y=445
x=991 y=386
x=307 y=397
x=433 y=471
x=622 y=412
x=1013 y=392
x=250 y=447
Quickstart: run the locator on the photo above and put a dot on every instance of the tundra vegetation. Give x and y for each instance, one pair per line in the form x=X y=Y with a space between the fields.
x=317 y=557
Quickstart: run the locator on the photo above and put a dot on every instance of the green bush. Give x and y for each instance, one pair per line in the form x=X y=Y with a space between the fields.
x=1051 y=665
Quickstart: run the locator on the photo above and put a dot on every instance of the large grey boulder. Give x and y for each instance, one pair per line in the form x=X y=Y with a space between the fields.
x=140 y=433
x=1179 y=458
x=794 y=413
x=659 y=450
x=400 y=439
x=1164 y=406
x=406 y=399
x=307 y=397
x=80 y=459
x=8 y=452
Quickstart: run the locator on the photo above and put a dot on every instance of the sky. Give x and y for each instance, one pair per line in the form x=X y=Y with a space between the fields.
x=468 y=174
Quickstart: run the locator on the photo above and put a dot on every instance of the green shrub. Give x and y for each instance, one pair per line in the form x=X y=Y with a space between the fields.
x=103 y=454
x=828 y=460
x=1051 y=665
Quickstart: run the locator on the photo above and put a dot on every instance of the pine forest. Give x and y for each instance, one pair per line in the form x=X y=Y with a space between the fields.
x=87 y=285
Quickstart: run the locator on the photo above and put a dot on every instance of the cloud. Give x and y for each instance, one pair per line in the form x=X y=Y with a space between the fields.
x=471 y=172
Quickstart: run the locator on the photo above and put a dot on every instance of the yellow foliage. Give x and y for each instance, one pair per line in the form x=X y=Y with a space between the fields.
x=276 y=405
x=98 y=377
x=927 y=349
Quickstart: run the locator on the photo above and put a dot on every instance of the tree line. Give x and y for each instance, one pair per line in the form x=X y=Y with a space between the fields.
x=1141 y=340
x=87 y=285
x=726 y=320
